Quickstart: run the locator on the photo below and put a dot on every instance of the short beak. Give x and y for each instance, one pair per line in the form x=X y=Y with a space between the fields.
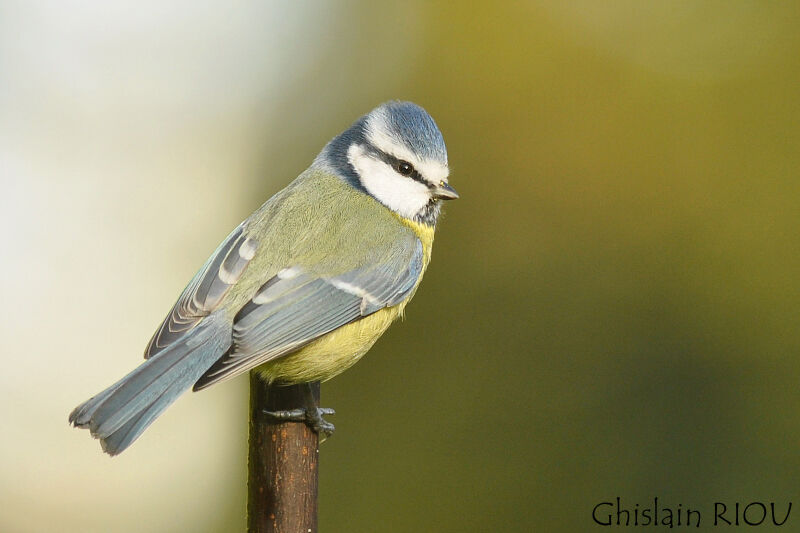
x=444 y=191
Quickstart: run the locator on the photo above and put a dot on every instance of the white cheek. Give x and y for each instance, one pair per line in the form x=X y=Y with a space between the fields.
x=402 y=195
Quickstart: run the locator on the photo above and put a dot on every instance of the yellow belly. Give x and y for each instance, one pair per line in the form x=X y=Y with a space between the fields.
x=331 y=354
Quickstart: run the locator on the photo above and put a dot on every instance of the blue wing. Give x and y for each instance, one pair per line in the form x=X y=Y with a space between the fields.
x=203 y=294
x=296 y=307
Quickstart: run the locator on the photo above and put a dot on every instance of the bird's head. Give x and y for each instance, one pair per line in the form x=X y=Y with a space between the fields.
x=396 y=154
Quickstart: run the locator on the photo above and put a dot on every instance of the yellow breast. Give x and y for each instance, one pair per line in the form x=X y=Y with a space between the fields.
x=340 y=349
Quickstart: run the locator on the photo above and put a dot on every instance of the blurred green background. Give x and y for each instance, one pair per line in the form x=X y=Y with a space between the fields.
x=612 y=306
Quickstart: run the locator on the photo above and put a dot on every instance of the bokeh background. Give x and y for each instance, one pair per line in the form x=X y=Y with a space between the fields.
x=613 y=304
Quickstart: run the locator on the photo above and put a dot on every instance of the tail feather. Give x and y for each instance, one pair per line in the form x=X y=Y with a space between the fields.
x=130 y=430
x=119 y=414
x=144 y=386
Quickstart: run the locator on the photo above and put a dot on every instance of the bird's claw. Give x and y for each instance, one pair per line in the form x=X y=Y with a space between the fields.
x=313 y=418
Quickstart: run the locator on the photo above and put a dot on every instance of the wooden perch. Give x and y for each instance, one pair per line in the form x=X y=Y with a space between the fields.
x=283 y=462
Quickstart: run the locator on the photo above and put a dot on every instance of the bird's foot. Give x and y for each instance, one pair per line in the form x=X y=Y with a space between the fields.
x=312 y=417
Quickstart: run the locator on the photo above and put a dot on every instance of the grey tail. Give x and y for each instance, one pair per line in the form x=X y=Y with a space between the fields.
x=119 y=414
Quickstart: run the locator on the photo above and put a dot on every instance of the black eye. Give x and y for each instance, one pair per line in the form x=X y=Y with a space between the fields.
x=404 y=168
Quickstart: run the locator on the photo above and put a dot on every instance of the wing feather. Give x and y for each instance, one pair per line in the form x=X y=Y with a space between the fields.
x=205 y=291
x=296 y=307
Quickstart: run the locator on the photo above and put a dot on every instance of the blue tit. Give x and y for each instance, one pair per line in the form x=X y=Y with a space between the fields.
x=306 y=284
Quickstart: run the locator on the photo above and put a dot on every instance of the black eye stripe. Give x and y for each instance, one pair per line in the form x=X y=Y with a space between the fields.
x=394 y=162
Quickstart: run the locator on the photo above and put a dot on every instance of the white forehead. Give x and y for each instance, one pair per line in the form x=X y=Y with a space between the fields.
x=378 y=133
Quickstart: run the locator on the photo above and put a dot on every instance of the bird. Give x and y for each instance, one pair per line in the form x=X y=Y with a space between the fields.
x=305 y=286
